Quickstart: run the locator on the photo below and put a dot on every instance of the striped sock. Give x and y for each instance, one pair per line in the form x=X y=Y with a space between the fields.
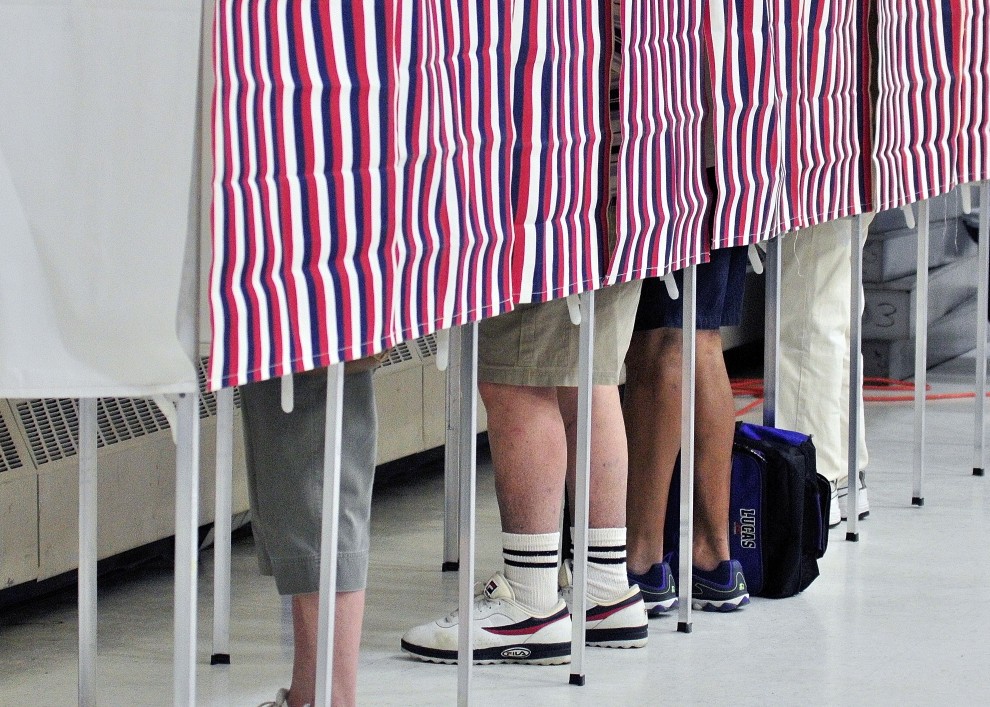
x=531 y=569
x=607 y=579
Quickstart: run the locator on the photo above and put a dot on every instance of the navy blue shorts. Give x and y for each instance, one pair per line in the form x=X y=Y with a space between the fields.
x=720 y=284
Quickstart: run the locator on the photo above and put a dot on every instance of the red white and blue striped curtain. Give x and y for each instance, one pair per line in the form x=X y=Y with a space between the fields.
x=790 y=107
x=970 y=25
x=820 y=100
x=749 y=160
x=360 y=183
x=304 y=182
x=453 y=133
x=661 y=199
x=560 y=152
x=915 y=129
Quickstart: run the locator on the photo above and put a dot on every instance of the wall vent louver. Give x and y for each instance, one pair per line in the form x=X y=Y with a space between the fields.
x=398 y=354
x=9 y=458
x=427 y=346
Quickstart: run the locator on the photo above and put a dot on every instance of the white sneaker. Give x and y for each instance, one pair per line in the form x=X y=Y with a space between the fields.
x=834 y=512
x=862 y=500
x=504 y=632
x=621 y=623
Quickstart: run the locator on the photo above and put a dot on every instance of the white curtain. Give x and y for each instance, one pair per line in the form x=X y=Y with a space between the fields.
x=97 y=131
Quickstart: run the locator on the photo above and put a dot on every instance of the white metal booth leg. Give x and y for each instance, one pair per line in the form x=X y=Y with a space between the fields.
x=454 y=438
x=771 y=338
x=186 y=548
x=187 y=434
x=582 y=486
x=920 y=355
x=855 y=374
x=983 y=263
x=467 y=365
x=688 y=360
x=328 y=534
x=86 y=585
x=222 y=528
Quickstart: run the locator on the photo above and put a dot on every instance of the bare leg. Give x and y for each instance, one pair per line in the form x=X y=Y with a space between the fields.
x=530 y=455
x=715 y=418
x=348 y=617
x=608 y=454
x=652 y=413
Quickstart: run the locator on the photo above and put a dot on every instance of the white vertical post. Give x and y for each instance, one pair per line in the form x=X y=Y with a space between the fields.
x=771 y=338
x=920 y=353
x=222 y=527
x=328 y=534
x=186 y=548
x=582 y=485
x=88 y=475
x=688 y=330
x=187 y=436
x=468 y=364
x=855 y=375
x=453 y=438
x=983 y=262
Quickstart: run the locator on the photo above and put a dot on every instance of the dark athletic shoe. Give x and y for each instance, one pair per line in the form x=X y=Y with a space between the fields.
x=722 y=589
x=658 y=588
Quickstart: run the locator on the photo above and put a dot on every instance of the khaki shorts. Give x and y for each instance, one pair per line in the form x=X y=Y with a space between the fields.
x=284 y=454
x=537 y=345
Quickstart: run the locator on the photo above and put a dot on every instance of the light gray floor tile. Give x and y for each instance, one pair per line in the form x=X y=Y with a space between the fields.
x=897 y=618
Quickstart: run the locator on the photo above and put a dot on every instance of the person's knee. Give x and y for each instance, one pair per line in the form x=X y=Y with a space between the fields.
x=502 y=399
x=653 y=356
x=709 y=341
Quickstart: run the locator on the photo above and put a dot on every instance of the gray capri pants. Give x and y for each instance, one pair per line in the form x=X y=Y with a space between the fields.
x=285 y=479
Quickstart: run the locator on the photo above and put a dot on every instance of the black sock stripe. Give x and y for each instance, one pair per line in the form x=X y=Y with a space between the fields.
x=533 y=565
x=530 y=553
x=607 y=560
x=603 y=548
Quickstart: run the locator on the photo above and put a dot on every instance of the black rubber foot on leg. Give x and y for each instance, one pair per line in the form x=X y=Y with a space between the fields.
x=683 y=627
x=977 y=471
x=577 y=680
x=450 y=566
x=852 y=537
x=220 y=659
x=918 y=501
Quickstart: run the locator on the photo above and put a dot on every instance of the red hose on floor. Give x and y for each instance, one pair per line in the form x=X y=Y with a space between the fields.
x=893 y=391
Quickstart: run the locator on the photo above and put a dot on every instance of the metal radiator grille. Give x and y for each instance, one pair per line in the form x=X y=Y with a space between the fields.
x=9 y=459
x=398 y=354
x=52 y=424
x=427 y=346
x=121 y=419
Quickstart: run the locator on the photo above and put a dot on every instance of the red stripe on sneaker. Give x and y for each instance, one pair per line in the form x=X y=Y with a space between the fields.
x=529 y=626
x=600 y=612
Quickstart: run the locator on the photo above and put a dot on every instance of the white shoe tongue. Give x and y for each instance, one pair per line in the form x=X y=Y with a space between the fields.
x=498 y=588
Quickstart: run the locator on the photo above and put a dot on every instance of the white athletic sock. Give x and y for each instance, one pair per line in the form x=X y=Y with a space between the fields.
x=607 y=579
x=531 y=569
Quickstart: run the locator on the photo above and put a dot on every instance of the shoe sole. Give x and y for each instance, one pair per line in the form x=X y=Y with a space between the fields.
x=535 y=654
x=656 y=608
x=626 y=637
x=722 y=606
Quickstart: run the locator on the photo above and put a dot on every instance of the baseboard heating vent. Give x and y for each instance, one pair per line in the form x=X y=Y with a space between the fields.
x=9 y=458
x=427 y=346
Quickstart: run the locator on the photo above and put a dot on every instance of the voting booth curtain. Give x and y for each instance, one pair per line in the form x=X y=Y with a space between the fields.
x=95 y=97
x=388 y=169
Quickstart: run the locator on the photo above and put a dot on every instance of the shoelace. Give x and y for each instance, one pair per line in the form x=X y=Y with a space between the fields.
x=479 y=595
